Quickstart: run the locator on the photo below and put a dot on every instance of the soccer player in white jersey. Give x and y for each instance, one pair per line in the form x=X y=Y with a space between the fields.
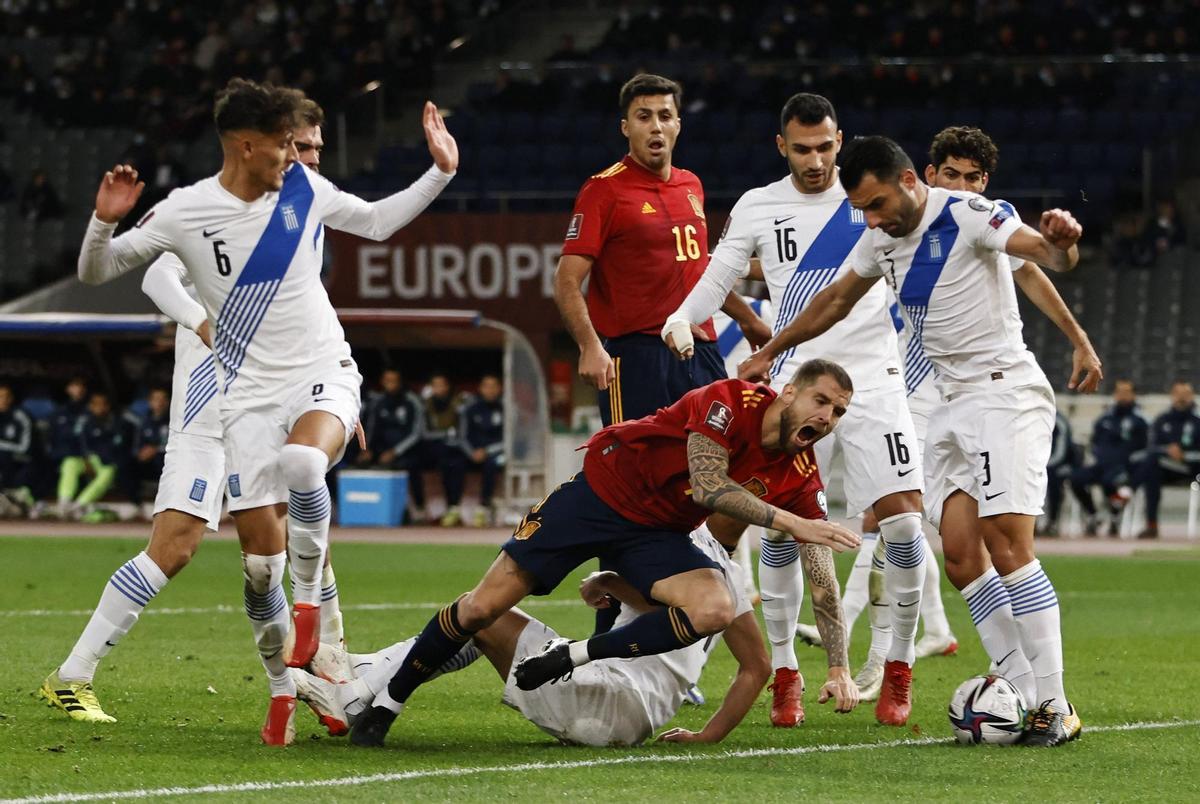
x=802 y=228
x=944 y=255
x=190 y=488
x=249 y=239
x=606 y=702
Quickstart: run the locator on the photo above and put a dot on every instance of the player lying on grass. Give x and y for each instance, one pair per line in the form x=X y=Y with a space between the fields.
x=732 y=447
x=607 y=702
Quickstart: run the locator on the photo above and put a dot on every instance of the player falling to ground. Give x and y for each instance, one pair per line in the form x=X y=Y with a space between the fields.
x=732 y=447
x=607 y=702
x=249 y=238
x=944 y=255
x=802 y=228
x=639 y=237
x=189 y=488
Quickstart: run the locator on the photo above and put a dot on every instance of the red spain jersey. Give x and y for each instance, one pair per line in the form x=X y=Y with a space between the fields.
x=640 y=469
x=649 y=240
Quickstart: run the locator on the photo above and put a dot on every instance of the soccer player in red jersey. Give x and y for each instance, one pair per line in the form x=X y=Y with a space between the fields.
x=639 y=235
x=732 y=447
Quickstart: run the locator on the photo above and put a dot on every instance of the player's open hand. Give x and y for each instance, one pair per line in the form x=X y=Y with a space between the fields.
x=682 y=736
x=756 y=367
x=820 y=531
x=442 y=146
x=118 y=193
x=596 y=367
x=839 y=687
x=1086 y=371
x=1060 y=228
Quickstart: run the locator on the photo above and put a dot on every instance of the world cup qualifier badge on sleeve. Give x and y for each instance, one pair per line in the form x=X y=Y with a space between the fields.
x=719 y=417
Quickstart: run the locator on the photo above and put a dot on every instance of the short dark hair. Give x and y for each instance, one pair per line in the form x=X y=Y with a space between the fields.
x=248 y=105
x=964 y=142
x=311 y=113
x=882 y=158
x=807 y=109
x=648 y=84
x=812 y=370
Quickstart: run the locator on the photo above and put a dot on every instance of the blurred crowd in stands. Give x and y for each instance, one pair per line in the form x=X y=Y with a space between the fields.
x=77 y=456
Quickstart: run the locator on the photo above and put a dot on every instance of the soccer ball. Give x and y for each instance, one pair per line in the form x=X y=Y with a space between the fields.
x=987 y=709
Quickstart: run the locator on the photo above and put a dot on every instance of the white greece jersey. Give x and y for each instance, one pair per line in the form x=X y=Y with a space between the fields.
x=663 y=680
x=955 y=288
x=731 y=343
x=803 y=241
x=256 y=266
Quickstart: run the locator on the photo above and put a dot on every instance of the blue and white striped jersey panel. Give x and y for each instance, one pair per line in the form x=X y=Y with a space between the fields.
x=955 y=288
x=803 y=242
x=195 y=399
x=731 y=342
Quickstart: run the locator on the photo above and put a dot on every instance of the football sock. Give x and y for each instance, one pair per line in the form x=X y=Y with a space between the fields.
x=127 y=592
x=903 y=575
x=442 y=639
x=991 y=611
x=266 y=606
x=933 y=611
x=655 y=632
x=375 y=670
x=745 y=560
x=781 y=584
x=606 y=618
x=854 y=598
x=1035 y=610
x=879 y=610
x=303 y=470
x=331 y=609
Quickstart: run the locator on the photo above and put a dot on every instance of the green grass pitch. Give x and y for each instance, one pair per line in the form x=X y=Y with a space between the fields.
x=189 y=694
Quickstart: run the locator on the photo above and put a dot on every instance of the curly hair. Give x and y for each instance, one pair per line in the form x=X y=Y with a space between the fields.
x=964 y=142
x=248 y=105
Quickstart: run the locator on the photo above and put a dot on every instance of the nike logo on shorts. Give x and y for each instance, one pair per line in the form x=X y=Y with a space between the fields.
x=991 y=496
x=907 y=471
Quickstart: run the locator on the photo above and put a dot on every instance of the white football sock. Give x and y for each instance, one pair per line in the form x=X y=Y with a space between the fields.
x=331 y=609
x=933 y=611
x=781 y=584
x=745 y=560
x=879 y=609
x=266 y=606
x=1035 y=610
x=991 y=611
x=903 y=576
x=128 y=591
x=855 y=596
x=303 y=470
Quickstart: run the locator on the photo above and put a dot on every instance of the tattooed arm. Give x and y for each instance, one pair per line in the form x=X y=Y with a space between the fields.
x=713 y=488
x=817 y=561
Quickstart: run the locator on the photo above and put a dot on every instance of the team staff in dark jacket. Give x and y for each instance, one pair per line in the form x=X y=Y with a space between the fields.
x=16 y=440
x=1174 y=455
x=1064 y=457
x=102 y=444
x=149 y=444
x=395 y=424
x=481 y=439
x=1119 y=438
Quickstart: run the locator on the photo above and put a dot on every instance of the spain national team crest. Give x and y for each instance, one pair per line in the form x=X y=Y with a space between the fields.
x=756 y=487
x=697 y=207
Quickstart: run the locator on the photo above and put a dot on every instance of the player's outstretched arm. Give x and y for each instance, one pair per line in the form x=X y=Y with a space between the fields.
x=711 y=293
x=595 y=365
x=1086 y=371
x=754 y=328
x=745 y=642
x=713 y=488
x=817 y=562
x=829 y=306
x=1053 y=245
x=101 y=258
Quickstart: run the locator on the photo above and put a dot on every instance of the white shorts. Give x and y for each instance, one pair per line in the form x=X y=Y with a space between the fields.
x=597 y=706
x=193 y=477
x=879 y=445
x=254 y=436
x=921 y=404
x=992 y=444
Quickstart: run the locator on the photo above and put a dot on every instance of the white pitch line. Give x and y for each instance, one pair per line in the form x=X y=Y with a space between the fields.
x=224 y=609
x=377 y=778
